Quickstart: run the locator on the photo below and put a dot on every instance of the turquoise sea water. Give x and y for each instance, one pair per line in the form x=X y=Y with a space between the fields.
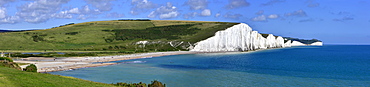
x=330 y=65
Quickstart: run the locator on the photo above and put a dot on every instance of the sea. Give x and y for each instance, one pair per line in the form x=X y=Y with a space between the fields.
x=312 y=66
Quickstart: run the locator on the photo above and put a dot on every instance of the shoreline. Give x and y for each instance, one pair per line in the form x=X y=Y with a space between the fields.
x=53 y=64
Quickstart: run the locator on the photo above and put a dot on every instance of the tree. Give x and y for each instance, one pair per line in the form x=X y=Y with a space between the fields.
x=31 y=68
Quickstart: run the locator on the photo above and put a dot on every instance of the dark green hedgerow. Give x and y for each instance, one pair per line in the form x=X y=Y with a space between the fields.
x=163 y=32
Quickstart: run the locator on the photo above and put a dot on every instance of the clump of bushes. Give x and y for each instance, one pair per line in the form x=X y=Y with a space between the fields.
x=170 y=32
x=10 y=65
x=154 y=83
x=71 y=33
x=30 y=68
x=8 y=62
x=126 y=52
x=6 y=59
x=79 y=54
x=140 y=84
x=38 y=38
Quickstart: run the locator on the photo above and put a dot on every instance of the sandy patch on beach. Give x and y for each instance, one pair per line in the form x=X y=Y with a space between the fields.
x=71 y=63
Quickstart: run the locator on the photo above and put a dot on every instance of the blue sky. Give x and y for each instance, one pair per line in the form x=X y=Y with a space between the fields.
x=332 y=21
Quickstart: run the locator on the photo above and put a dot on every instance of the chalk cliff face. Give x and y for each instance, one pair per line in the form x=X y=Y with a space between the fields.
x=317 y=44
x=288 y=43
x=296 y=43
x=241 y=37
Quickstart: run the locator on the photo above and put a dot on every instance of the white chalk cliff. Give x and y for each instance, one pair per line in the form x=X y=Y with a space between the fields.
x=241 y=37
x=317 y=44
x=296 y=43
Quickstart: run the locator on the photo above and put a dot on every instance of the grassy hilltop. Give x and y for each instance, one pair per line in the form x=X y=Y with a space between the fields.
x=116 y=35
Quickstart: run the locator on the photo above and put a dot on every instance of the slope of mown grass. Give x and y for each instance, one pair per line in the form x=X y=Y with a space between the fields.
x=15 y=78
x=103 y=35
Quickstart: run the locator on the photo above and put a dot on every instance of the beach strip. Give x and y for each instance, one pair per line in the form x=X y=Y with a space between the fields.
x=71 y=63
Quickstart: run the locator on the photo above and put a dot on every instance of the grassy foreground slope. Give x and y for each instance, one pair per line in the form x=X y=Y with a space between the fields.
x=114 y=35
x=10 y=77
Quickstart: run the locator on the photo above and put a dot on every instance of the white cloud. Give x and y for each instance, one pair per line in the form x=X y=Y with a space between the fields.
x=306 y=20
x=190 y=15
x=140 y=6
x=74 y=11
x=152 y=14
x=259 y=18
x=2 y=2
x=260 y=12
x=272 y=2
x=2 y=12
x=233 y=16
x=62 y=14
x=79 y=13
x=102 y=5
x=114 y=15
x=237 y=4
x=38 y=19
x=83 y=17
x=197 y=4
x=165 y=12
x=273 y=16
x=169 y=15
x=344 y=19
x=312 y=3
x=217 y=15
x=299 y=13
x=85 y=10
x=39 y=11
x=263 y=18
x=206 y=12
x=10 y=20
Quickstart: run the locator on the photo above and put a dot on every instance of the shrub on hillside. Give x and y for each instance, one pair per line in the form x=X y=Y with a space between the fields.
x=156 y=83
x=31 y=68
x=10 y=65
x=6 y=59
x=121 y=84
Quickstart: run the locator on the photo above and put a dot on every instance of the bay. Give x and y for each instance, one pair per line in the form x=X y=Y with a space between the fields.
x=329 y=65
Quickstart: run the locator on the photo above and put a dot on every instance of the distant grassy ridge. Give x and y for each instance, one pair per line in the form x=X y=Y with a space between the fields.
x=303 y=40
x=295 y=39
x=10 y=77
x=113 y=35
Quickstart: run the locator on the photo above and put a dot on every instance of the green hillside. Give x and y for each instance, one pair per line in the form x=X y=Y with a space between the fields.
x=303 y=40
x=10 y=77
x=116 y=35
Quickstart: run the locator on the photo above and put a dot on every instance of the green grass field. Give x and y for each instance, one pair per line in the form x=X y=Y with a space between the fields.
x=10 y=77
x=112 y=36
